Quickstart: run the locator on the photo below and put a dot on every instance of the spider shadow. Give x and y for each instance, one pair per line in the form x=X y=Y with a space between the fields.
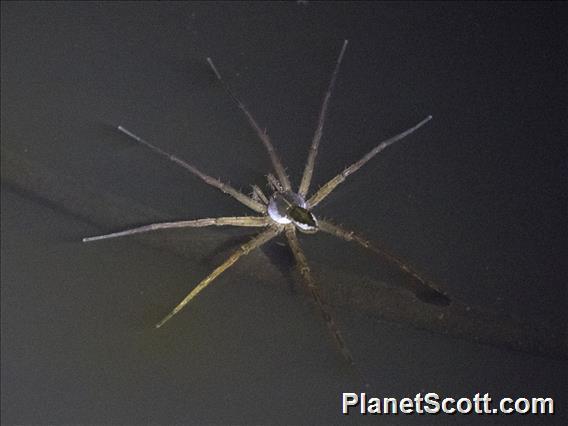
x=281 y=257
x=277 y=252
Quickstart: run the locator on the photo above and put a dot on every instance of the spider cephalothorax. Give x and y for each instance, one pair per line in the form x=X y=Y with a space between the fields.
x=284 y=212
x=288 y=207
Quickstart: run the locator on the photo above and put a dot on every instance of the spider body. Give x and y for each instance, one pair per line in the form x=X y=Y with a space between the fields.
x=284 y=212
x=288 y=207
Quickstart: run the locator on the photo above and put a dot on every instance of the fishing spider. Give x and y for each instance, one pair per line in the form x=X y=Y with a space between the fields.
x=285 y=211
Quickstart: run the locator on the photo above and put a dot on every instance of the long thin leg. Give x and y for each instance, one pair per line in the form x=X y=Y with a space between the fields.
x=327 y=188
x=246 y=248
x=256 y=190
x=276 y=163
x=313 y=289
x=274 y=183
x=309 y=169
x=258 y=221
x=227 y=189
x=419 y=286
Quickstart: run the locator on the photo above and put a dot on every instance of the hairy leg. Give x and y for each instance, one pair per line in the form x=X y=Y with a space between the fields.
x=274 y=183
x=246 y=248
x=227 y=189
x=258 y=192
x=327 y=188
x=258 y=221
x=265 y=139
x=309 y=169
x=313 y=289
x=419 y=286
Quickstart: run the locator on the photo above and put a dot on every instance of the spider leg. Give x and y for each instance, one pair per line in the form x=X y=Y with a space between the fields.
x=274 y=183
x=226 y=188
x=327 y=188
x=258 y=221
x=313 y=289
x=246 y=248
x=419 y=286
x=309 y=169
x=265 y=139
x=256 y=190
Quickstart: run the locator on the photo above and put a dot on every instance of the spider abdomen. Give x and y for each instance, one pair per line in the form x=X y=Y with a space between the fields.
x=289 y=207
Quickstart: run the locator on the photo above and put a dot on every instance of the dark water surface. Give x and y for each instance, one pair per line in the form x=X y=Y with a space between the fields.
x=475 y=200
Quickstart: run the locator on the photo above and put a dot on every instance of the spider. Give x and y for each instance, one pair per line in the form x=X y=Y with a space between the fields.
x=285 y=211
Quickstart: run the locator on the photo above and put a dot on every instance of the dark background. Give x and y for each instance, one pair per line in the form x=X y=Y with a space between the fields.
x=476 y=200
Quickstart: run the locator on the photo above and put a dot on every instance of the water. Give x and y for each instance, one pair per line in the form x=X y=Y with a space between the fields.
x=474 y=200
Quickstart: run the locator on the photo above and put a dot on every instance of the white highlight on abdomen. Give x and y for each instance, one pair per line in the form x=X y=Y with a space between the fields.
x=280 y=203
